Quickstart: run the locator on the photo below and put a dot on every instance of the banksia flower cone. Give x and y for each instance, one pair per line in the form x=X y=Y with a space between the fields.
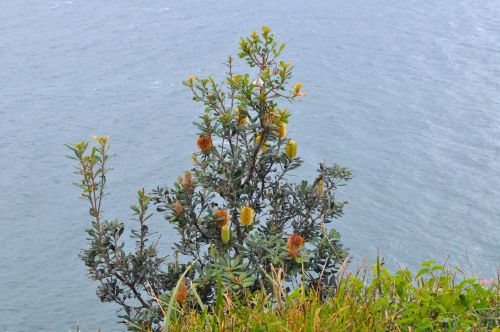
x=295 y=243
x=282 y=130
x=319 y=188
x=225 y=234
x=291 y=149
x=188 y=182
x=182 y=293
x=205 y=143
x=246 y=215
x=222 y=217
x=177 y=208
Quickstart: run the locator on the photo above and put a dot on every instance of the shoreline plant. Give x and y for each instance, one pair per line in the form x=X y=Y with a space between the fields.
x=239 y=219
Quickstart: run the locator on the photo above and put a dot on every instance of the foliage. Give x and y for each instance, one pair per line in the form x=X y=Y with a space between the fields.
x=238 y=216
x=435 y=299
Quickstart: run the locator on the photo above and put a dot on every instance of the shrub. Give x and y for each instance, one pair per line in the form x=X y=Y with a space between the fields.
x=239 y=219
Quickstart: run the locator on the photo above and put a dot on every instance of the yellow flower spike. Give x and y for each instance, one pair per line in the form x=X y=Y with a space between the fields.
x=246 y=215
x=225 y=234
x=319 y=188
x=282 y=130
x=257 y=141
x=291 y=149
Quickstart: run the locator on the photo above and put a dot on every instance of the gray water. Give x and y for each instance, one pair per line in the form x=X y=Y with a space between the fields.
x=406 y=93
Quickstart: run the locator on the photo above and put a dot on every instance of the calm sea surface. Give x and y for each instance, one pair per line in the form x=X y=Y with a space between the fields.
x=406 y=93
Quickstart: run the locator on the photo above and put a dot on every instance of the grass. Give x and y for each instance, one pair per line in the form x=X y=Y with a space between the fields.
x=437 y=298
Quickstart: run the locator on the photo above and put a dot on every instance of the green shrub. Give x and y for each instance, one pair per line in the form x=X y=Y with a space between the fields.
x=239 y=219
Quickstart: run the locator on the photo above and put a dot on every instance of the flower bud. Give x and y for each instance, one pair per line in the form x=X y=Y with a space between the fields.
x=225 y=234
x=246 y=215
x=291 y=149
x=297 y=90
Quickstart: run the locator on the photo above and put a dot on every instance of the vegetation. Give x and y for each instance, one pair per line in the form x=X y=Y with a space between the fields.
x=254 y=251
x=437 y=298
x=238 y=217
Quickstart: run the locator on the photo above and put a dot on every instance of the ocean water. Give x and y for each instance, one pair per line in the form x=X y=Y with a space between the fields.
x=406 y=93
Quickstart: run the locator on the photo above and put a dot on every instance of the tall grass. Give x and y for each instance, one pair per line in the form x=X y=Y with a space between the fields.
x=437 y=298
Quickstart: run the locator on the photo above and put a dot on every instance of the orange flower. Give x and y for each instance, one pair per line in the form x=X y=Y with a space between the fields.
x=222 y=217
x=182 y=292
x=205 y=143
x=177 y=208
x=295 y=243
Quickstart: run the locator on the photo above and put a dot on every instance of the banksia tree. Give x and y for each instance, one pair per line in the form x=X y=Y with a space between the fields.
x=238 y=217
x=243 y=207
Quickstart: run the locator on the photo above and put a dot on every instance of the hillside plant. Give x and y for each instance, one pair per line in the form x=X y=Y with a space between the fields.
x=435 y=298
x=239 y=218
